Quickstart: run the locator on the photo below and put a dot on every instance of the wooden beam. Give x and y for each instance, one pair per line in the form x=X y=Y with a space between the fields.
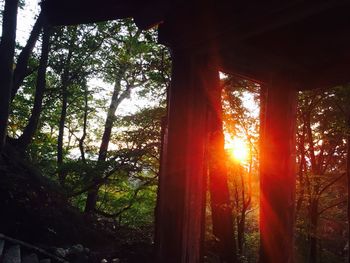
x=66 y=12
x=213 y=23
x=277 y=174
x=331 y=75
x=180 y=208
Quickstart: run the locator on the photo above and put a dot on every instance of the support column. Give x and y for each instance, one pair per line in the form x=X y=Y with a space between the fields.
x=180 y=211
x=277 y=174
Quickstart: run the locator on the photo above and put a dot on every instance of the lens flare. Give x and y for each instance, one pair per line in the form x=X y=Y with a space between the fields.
x=237 y=149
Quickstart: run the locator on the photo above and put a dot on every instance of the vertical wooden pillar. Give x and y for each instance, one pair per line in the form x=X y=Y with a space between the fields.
x=277 y=175
x=180 y=213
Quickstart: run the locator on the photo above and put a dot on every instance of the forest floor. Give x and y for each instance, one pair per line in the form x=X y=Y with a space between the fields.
x=34 y=210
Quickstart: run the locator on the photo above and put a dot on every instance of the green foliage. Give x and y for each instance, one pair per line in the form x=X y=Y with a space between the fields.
x=88 y=59
x=321 y=185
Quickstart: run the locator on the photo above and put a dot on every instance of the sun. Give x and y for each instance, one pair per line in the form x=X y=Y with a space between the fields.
x=237 y=149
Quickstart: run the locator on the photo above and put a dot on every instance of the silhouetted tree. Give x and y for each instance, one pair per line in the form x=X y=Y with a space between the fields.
x=7 y=50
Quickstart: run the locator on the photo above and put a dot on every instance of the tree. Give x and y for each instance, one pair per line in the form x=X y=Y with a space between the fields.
x=139 y=146
x=221 y=209
x=21 y=70
x=240 y=121
x=127 y=70
x=73 y=60
x=7 y=50
x=29 y=131
x=321 y=160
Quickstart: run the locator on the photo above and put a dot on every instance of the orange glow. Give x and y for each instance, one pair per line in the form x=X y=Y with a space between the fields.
x=238 y=149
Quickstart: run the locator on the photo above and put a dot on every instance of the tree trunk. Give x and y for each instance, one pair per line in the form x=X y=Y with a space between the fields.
x=301 y=172
x=82 y=139
x=106 y=137
x=29 y=131
x=62 y=174
x=164 y=133
x=313 y=231
x=277 y=176
x=64 y=93
x=117 y=97
x=65 y=82
x=241 y=222
x=7 y=51
x=20 y=71
x=240 y=233
x=221 y=207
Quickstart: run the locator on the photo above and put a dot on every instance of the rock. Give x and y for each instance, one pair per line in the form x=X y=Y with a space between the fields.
x=60 y=252
x=12 y=255
x=77 y=253
x=76 y=249
x=32 y=258
x=2 y=243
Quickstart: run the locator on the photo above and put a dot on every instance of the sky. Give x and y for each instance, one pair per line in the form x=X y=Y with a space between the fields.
x=25 y=19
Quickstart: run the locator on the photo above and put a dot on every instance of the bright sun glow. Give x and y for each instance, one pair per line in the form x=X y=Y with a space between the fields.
x=238 y=149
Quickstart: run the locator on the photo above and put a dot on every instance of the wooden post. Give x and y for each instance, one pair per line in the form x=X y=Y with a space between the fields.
x=180 y=213
x=277 y=175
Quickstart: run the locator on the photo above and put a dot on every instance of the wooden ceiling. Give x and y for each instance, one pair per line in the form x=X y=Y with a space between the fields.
x=306 y=43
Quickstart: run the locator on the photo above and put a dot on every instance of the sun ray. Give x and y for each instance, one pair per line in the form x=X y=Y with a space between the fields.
x=237 y=149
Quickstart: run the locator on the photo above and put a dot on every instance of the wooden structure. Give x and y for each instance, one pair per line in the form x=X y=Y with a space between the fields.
x=17 y=251
x=284 y=45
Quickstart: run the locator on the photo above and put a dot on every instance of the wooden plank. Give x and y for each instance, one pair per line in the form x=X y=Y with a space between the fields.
x=183 y=180
x=213 y=24
x=31 y=247
x=277 y=175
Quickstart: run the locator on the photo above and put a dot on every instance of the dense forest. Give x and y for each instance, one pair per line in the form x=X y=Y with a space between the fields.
x=80 y=161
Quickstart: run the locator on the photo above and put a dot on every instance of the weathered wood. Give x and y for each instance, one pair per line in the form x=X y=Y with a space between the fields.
x=32 y=248
x=182 y=180
x=277 y=175
x=157 y=233
x=251 y=47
